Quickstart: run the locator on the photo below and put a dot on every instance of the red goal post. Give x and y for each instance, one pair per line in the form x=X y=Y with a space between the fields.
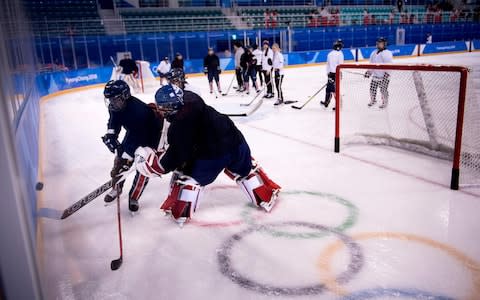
x=412 y=68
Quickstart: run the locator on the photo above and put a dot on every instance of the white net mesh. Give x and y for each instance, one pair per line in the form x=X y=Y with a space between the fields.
x=146 y=78
x=411 y=109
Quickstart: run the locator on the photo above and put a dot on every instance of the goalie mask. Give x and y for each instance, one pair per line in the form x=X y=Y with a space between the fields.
x=116 y=93
x=169 y=99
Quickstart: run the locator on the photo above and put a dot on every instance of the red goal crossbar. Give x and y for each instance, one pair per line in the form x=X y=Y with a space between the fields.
x=413 y=67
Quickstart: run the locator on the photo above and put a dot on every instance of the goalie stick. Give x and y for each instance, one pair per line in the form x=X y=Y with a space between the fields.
x=60 y=215
x=113 y=61
x=309 y=99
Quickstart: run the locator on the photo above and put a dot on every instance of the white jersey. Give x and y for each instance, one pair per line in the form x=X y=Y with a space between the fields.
x=164 y=67
x=380 y=57
x=238 y=55
x=334 y=58
x=278 y=62
x=267 y=54
x=258 y=56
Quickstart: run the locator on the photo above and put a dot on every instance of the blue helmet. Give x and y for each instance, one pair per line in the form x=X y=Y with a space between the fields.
x=169 y=98
x=116 y=93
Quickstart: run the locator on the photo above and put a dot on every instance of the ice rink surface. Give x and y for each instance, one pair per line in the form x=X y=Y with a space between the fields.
x=369 y=223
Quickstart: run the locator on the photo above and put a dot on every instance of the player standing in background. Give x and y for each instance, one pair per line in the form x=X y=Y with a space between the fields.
x=248 y=63
x=177 y=62
x=237 y=47
x=267 y=62
x=128 y=69
x=379 y=78
x=143 y=128
x=334 y=58
x=202 y=144
x=258 y=68
x=163 y=68
x=211 y=68
x=278 y=62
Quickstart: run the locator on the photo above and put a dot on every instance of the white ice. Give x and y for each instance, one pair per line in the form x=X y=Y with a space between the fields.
x=411 y=235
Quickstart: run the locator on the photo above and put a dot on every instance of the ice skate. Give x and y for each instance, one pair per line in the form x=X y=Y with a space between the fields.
x=372 y=103
x=112 y=195
x=133 y=205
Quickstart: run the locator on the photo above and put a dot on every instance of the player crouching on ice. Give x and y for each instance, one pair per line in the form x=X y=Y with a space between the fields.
x=143 y=128
x=202 y=144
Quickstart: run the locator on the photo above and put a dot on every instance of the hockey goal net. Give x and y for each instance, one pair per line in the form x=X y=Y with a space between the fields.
x=428 y=109
x=146 y=78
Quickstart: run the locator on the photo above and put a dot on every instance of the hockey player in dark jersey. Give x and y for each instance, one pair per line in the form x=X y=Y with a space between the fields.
x=143 y=128
x=248 y=62
x=202 y=144
x=211 y=68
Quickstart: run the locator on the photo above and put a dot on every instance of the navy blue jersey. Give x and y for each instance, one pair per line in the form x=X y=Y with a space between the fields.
x=142 y=127
x=211 y=62
x=197 y=132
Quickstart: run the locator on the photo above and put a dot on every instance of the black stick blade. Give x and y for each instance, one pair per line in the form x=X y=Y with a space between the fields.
x=116 y=264
x=296 y=107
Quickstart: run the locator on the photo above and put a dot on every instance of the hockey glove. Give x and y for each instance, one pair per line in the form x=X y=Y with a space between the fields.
x=147 y=162
x=270 y=62
x=219 y=70
x=120 y=166
x=205 y=70
x=110 y=140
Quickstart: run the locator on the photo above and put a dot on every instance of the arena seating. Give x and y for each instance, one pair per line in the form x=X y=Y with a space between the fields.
x=182 y=19
x=64 y=16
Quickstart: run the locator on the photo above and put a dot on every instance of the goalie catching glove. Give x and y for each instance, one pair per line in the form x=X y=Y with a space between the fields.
x=147 y=162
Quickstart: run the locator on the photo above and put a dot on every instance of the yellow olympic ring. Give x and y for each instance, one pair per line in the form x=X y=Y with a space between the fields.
x=326 y=256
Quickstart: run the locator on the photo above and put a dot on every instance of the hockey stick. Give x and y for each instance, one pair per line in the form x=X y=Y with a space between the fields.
x=116 y=263
x=254 y=98
x=309 y=99
x=248 y=113
x=231 y=83
x=60 y=215
x=113 y=61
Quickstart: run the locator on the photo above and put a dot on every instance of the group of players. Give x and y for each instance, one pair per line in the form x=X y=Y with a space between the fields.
x=198 y=145
x=250 y=63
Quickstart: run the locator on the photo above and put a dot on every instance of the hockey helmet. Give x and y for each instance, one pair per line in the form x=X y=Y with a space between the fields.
x=382 y=40
x=176 y=76
x=169 y=99
x=116 y=94
x=338 y=44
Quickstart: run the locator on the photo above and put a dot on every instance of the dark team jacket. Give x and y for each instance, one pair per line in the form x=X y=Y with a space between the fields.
x=142 y=127
x=211 y=62
x=128 y=66
x=247 y=60
x=177 y=64
x=196 y=132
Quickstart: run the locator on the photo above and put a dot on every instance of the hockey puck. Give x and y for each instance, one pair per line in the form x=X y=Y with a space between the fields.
x=39 y=186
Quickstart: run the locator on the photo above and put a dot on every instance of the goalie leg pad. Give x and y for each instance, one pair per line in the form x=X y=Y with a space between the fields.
x=259 y=188
x=182 y=201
